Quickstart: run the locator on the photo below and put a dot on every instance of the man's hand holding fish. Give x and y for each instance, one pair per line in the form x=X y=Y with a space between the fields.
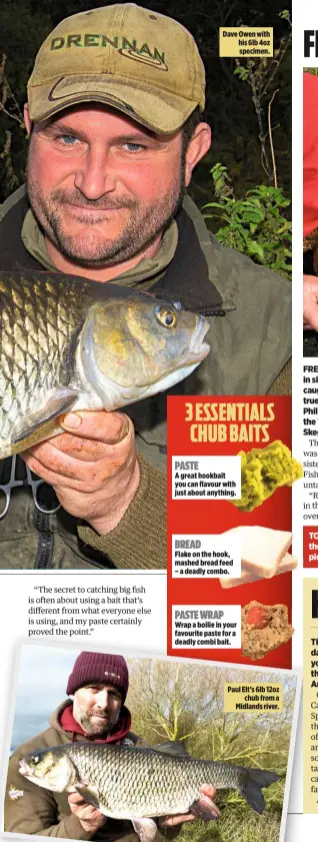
x=94 y=471
x=89 y=817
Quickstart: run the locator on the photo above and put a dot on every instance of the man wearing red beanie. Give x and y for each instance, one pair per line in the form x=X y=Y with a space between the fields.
x=95 y=711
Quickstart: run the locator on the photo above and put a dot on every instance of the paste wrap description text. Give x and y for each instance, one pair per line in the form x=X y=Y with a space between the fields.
x=206 y=626
x=80 y=611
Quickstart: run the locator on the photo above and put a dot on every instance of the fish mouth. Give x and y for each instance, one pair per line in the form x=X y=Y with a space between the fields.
x=24 y=769
x=198 y=349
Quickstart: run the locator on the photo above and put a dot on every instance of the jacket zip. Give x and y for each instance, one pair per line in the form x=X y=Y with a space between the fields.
x=45 y=549
x=45 y=541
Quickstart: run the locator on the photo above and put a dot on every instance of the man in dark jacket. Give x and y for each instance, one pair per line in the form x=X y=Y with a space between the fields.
x=97 y=688
x=115 y=132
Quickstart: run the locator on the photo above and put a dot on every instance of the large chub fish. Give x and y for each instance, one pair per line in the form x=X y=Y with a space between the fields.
x=126 y=782
x=70 y=343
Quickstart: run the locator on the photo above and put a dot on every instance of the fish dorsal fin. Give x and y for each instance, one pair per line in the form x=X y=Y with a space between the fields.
x=175 y=747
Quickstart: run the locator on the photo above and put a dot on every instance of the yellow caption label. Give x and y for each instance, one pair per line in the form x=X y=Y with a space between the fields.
x=310 y=731
x=265 y=697
x=242 y=42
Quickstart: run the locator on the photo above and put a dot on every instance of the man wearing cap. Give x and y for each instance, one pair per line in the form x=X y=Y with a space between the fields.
x=95 y=710
x=114 y=118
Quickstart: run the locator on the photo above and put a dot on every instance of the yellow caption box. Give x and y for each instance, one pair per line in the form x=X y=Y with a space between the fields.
x=243 y=42
x=266 y=697
x=310 y=733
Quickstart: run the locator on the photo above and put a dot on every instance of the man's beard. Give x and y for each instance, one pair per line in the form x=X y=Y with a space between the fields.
x=85 y=720
x=144 y=225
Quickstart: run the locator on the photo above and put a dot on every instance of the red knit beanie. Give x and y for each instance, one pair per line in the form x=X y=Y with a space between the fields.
x=96 y=667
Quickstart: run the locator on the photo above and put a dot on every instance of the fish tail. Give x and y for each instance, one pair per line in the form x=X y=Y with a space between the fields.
x=255 y=780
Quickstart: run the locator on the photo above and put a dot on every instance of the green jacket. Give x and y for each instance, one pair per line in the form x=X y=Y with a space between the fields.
x=250 y=337
x=44 y=813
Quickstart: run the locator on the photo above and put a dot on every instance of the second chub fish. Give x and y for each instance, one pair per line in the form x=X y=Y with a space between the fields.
x=126 y=782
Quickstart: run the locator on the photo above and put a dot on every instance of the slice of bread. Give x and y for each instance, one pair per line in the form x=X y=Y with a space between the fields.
x=288 y=562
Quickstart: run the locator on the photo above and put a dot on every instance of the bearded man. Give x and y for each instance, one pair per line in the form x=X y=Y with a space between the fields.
x=94 y=711
x=114 y=116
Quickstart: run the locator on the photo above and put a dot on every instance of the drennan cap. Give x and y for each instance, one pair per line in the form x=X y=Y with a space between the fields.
x=145 y=64
x=99 y=668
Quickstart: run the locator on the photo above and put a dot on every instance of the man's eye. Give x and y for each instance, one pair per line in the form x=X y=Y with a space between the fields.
x=67 y=139
x=134 y=147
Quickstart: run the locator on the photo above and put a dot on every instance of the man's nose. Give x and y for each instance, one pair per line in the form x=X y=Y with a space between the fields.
x=102 y=699
x=95 y=174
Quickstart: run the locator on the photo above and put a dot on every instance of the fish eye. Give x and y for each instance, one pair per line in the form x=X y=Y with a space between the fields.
x=166 y=316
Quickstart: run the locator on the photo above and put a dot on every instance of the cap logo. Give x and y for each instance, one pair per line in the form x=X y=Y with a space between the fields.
x=55 y=96
x=145 y=59
x=126 y=48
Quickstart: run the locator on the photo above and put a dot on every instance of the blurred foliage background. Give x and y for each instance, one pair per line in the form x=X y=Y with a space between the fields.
x=248 y=107
x=184 y=701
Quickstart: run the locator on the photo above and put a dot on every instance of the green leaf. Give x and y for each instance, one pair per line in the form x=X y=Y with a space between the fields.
x=213 y=205
x=242 y=72
x=253 y=216
x=254 y=248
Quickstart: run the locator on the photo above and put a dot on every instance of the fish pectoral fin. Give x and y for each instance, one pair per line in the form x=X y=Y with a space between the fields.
x=90 y=795
x=204 y=808
x=40 y=424
x=146 y=829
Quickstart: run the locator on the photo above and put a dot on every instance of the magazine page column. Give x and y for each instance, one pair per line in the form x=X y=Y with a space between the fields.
x=309 y=420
